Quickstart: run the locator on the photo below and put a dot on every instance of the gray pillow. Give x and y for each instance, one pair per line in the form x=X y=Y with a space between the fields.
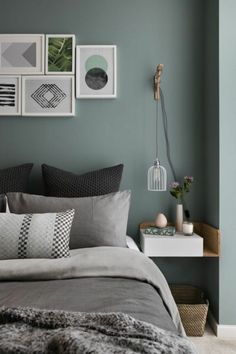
x=35 y=235
x=15 y=179
x=60 y=183
x=98 y=221
x=2 y=203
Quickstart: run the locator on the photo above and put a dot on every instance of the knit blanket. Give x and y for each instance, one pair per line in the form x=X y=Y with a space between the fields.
x=32 y=331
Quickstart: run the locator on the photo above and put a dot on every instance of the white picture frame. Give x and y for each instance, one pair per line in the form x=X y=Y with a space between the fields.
x=22 y=54
x=10 y=95
x=96 y=82
x=48 y=96
x=47 y=66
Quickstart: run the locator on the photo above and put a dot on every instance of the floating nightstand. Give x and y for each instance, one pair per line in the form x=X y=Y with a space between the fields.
x=205 y=242
x=178 y=245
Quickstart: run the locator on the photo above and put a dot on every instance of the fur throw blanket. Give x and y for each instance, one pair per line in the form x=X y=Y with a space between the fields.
x=32 y=331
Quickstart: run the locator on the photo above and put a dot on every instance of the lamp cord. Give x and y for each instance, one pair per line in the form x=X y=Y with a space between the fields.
x=165 y=126
x=157 y=108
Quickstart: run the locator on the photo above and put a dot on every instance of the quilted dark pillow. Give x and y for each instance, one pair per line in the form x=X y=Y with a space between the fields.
x=59 y=183
x=2 y=203
x=15 y=179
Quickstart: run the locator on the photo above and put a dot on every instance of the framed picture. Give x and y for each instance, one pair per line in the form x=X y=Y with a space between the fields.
x=10 y=95
x=48 y=96
x=21 y=54
x=60 y=54
x=96 y=71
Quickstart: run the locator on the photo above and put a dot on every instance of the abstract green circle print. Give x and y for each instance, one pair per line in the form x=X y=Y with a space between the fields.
x=96 y=71
x=60 y=54
x=96 y=61
x=96 y=77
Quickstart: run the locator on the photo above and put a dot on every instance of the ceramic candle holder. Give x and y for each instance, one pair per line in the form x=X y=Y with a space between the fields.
x=188 y=228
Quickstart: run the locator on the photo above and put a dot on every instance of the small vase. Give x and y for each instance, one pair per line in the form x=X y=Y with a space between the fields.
x=179 y=218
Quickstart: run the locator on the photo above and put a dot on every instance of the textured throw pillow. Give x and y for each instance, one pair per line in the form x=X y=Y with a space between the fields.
x=35 y=235
x=15 y=179
x=2 y=203
x=98 y=221
x=59 y=183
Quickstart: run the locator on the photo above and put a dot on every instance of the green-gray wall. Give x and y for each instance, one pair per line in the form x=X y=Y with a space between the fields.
x=227 y=40
x=220 y=152
x=106 y=132
x=211 y=153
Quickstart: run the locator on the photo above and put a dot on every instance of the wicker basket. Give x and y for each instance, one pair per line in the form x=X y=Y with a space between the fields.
x=193 y=308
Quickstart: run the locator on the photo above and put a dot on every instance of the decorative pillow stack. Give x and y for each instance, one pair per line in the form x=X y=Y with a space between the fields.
x=98 y=221
x=35 y=235
x=100 y=214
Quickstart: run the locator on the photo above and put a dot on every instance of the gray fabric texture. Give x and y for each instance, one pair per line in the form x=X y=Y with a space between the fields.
x=36 y=331
x=35 y=235
x=2 y=203
x=94 y=262
x=15 y=179
x=98 y=221
x=94 y=294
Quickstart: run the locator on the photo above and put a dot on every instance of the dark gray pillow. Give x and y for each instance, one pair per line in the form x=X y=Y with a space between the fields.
x=98 y=221
x=59 y=183
x=15 y=179
x=2 y=203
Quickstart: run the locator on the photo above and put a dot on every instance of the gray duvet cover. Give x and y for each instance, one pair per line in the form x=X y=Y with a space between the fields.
x=103 y=279
x=129 y=296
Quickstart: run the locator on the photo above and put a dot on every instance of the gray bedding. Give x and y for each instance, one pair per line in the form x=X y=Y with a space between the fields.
x=132 y=297
x=101 y=279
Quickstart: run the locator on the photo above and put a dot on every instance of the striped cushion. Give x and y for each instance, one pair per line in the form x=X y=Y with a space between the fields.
x=35 y=235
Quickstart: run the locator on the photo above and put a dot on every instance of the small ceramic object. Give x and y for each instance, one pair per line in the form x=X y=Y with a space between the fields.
x=160 y=221
x=179 y=218
x=188 y=228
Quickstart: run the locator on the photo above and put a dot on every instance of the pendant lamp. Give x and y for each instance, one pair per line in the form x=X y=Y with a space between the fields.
x=157 y=176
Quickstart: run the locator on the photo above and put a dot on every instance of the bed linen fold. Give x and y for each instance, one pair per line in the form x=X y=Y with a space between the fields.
x=94 y=262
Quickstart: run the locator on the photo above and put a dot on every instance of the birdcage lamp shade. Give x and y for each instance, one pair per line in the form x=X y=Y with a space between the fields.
x=157 y=177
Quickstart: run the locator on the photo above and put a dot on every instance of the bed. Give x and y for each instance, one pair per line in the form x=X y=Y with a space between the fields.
x=71 y=282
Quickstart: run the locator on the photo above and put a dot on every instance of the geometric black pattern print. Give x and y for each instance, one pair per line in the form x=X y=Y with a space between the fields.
x=48 y=95
x=23 y=237
x=7 y=95
x=60 y=247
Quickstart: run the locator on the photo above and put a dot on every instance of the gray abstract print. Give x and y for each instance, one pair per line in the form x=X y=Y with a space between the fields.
x=7 y=95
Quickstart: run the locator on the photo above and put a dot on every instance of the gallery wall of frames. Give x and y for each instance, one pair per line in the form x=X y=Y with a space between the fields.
x=41 y=75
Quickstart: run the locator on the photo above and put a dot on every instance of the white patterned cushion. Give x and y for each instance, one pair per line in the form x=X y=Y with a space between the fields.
x=35 y=235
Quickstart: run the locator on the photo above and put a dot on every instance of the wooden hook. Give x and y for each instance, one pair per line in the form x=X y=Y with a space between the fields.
x=157 y=81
